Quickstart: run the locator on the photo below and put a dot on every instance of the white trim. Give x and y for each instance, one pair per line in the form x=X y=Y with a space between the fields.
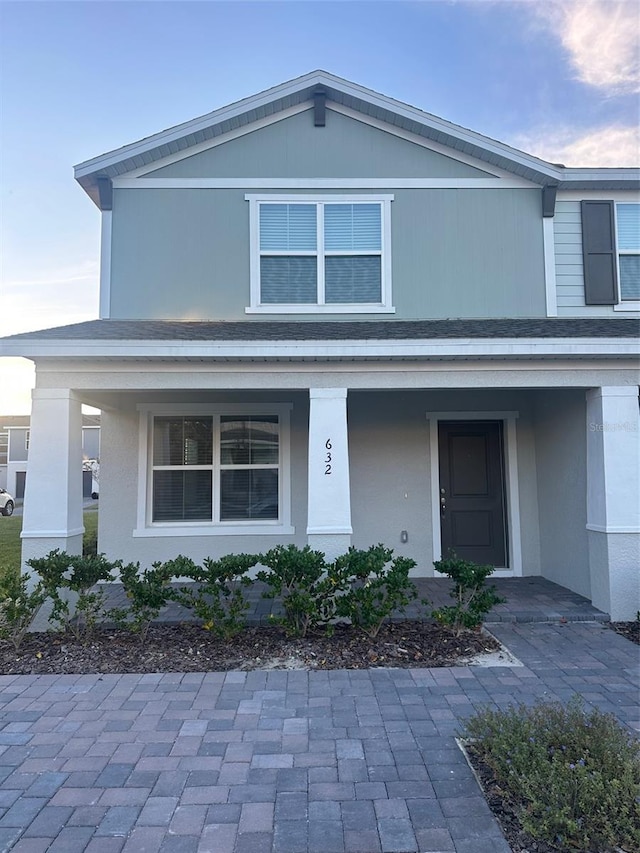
x=319 y=307
x=191 y=150
x=629 y=196
x=599 y=528
x=247 y=183
x=316 y=198
x=445 y=348
x=627 y=305
x=145 y=527
x=209 y=529
x=51 y=534
x=333 y=308
x=549 y=249
x=324 y=531
x=512 y=487
x=327 y=393
x=105 y=264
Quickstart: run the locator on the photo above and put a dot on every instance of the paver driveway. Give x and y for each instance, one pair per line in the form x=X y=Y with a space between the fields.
x=285 y=762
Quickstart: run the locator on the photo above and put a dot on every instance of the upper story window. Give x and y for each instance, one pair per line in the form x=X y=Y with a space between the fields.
x=324 y=254
x=628 y=234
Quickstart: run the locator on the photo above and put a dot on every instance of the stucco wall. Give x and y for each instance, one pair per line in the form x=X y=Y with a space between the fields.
x=561 y=434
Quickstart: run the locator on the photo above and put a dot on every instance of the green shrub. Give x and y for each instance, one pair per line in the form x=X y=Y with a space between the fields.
x=147 y=591
x=298 y=576
x=370 y=586
x=576 y=776
x=62 y=574
x=473 y=598
x=218 y=597
x=18 y=605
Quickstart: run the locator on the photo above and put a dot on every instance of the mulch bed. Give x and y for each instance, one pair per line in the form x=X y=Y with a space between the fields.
x=630 y=630
x=189 y=648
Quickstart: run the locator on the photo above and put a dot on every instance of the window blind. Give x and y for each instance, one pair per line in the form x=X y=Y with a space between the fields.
x=352 y=279
x=286 y=280
x=352 y=227
x=288 y=227
x=628 y=226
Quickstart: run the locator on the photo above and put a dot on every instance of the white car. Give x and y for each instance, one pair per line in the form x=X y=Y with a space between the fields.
x=6 y=503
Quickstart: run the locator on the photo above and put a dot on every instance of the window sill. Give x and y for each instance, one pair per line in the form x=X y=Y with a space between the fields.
x=319 y=309
x=627 y=306
x=214 y=530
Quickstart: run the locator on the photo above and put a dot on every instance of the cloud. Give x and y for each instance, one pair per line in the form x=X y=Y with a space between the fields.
x=612 y=146
x=602 y=38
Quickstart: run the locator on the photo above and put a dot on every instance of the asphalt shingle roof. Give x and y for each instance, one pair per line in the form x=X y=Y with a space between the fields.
x=168 y=330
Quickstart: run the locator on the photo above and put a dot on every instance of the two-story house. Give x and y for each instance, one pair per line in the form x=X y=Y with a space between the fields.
x=15 y=435
x=328 y=317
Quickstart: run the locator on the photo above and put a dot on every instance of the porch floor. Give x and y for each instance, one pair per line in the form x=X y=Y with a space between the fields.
x=528 y=599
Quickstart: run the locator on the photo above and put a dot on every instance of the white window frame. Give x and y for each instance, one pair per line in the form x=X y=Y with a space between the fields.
x=623 y=304
x=146 y=527
x=320 y=307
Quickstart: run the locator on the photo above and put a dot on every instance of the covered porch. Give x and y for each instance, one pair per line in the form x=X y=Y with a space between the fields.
x=360 y=460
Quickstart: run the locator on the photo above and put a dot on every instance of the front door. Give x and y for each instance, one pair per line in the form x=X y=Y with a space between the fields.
x=472 y=488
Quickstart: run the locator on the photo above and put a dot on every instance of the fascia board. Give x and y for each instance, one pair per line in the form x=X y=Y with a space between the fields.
x=446 y=348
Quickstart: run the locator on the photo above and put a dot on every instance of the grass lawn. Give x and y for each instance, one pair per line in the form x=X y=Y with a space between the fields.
x=10 y=538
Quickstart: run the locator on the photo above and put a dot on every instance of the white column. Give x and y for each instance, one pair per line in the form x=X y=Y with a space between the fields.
x=329 y=505
x=613 y=499
x=53 y=493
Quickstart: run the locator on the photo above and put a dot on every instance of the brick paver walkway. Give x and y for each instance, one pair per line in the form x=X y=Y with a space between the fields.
x=279 y=762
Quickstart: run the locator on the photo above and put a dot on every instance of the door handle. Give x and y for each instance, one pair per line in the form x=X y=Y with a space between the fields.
x=443 y=504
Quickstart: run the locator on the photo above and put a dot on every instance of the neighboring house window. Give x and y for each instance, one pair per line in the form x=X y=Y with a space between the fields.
x=327 y=254
x=628 y=233
x=221 y=469
x=4 y=447
x=611 y=252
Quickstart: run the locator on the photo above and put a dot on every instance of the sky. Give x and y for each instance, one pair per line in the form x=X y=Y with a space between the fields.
x=556 y=78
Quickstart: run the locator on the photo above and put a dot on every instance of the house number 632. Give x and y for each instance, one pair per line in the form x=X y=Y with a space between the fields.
x=327 y=458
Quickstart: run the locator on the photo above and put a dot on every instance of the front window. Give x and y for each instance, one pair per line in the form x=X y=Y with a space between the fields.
x=216 y=468
x=628 y=239
x=320 y=254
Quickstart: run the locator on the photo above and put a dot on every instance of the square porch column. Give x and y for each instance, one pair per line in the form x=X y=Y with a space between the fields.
x=53 y=492
x=329 y=500
x=613 y=500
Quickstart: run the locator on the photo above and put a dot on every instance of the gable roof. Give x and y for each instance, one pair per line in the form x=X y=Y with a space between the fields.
x=154 y=148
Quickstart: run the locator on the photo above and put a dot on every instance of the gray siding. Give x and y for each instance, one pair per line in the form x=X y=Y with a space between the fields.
x=184 y=254
x=294 y=148
x=567 y=228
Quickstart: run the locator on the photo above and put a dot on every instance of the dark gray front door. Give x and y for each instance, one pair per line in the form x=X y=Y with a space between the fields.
x=472 y=488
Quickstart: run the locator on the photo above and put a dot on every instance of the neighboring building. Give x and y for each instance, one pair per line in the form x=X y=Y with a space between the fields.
x=330 y=318
x=14 y=453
